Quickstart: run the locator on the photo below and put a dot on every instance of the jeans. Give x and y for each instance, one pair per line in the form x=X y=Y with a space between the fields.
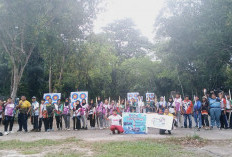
x=84 y=121
x=189 y=117
x=179 y=119
x=67 y=120
x=35 y=122
x=77 y=123
x=9 y=120
x=22 y=120
x=92 y=120
x=50 y=122
x=45 y=123
x=215 y=114
x=197 y=119
x=101 y=117
x=205 y=120
x=223 y=120
x=40 y=123
x=59 y=122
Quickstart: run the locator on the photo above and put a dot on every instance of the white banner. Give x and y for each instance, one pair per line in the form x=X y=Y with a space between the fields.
x=159 y=121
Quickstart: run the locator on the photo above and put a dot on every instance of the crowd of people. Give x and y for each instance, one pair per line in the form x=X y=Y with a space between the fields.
x=104 y=114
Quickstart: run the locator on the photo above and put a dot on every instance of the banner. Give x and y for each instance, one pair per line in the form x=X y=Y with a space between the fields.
x=132 y=95
x=159 y=121
x=54 y=96
x=79 y=96
x=149 y=95
x=134 y=123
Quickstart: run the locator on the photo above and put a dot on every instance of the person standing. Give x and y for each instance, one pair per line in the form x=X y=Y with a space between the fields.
x=84 y=114
x=1 y=110
x=228 y=111
x=50 y=111
x=77 y=115
x=187 y=111
x=58 y=114
x=161 y=105
x=223 y=118
x=134 y=105
x=139 y=109
x=215 y=111
x=101 y=112
x=66 y=114
x=35 y=114
x=197 y=113
x=41 y=114
x=205 y=113
x=177 y=104
x=92 y=111
x=9 y=116
x=24 y=107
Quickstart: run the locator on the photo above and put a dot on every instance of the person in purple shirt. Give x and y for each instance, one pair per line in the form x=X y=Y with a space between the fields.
x=9 y=116
x=101 y=112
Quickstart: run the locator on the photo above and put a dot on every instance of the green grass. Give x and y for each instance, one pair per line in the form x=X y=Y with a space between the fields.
x=145 y=148
x=64 y=154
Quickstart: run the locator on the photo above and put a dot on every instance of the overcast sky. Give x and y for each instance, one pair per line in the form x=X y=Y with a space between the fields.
x=142 y=12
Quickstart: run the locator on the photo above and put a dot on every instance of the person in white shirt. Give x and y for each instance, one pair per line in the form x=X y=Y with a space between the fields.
x=35 y=114
x=115 y=122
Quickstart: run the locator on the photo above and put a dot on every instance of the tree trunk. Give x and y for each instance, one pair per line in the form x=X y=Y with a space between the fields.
x=50 y=79
x=15 y=83
x=61 y=71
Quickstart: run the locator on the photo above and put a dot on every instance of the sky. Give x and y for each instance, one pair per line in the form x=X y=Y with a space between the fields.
x=142 y=12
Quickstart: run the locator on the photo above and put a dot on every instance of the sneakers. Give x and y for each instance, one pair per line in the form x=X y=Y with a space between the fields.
x=11 y=132
x=68 y=129
x=169 y=132
x=6 y=133
x=19 y=130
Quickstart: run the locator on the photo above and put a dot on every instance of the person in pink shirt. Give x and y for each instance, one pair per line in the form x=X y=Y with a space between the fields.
x=115 y=122
x=9 y=115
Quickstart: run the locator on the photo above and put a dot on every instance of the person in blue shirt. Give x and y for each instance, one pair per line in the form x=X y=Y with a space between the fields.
x=197 y=113
x=215 y=110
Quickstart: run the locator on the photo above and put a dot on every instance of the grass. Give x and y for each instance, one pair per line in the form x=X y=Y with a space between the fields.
x=146 y=148
x=142 y=148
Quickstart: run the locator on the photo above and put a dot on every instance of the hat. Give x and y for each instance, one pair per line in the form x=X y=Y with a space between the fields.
x=33 y=97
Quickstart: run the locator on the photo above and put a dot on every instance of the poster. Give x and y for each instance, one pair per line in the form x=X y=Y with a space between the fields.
x=54 y=96
x=159 y=121
x=132 y=95
x=80 y=95
x=134 y=123
x=149 y=95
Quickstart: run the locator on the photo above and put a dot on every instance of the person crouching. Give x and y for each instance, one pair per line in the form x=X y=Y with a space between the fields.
x=167 y=113
x=115 y=122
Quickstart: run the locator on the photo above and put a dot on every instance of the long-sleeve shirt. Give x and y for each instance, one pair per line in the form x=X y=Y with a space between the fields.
x=197 y=106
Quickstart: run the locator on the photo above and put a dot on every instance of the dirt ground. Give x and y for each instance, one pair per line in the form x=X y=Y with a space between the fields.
x=220 y=141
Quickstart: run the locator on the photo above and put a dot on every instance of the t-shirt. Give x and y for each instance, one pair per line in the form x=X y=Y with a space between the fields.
x=228 y=104
x=9 y=109
x=34 y=106
x=115 y=119
x=223 y=103
x=177 y=103
x=24 y=106
x=187 y=106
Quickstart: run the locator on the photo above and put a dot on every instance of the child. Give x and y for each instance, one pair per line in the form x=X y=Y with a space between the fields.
x=77 y=115
x=9 y=116
x=223 y=118
x=187 y=110
x=197 y=113
x=58 y=112
x=170 y=106
x=205 y=113
x=115 y=125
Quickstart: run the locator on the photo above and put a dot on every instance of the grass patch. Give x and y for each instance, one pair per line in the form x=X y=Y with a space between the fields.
x=64 y=154
x=146 y=148
x=34 y=147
